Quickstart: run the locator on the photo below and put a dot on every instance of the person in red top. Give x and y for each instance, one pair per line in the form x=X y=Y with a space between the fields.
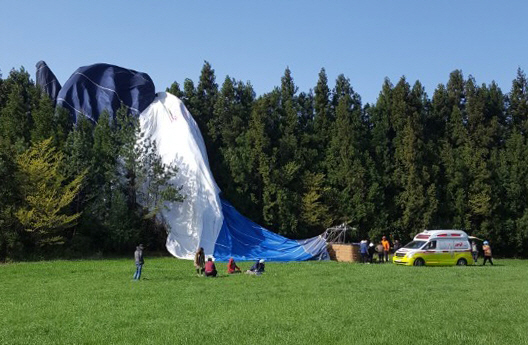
x=386 y=248
x=210 y=268
x=232 y=267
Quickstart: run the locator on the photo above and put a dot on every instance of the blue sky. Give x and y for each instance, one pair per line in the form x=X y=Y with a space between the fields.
x=256 y=40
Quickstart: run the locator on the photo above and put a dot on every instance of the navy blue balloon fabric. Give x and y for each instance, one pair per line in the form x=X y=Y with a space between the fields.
x=47 y=81
x=95 y=88
x=242 y=239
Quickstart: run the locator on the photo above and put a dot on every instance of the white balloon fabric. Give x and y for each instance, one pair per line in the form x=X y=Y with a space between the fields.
x=197 y=221
x=204 y=219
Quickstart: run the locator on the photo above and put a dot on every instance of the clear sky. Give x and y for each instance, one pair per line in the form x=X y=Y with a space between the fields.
x=256 y=40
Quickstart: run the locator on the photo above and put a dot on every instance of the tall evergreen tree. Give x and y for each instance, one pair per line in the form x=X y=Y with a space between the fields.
x=348 y=160
x=382 y=136
x=15 y=122
x=43 y=117
x=45 y=193
x=175 y=90
x=415 y=194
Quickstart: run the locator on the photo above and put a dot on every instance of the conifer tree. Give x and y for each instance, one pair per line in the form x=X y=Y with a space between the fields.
x=347 y=158
x=45 y=193
x=43 y=120
x=415 y=196
x=15 y=121
x=383 y=189
x=175 y=90
x=10 y=229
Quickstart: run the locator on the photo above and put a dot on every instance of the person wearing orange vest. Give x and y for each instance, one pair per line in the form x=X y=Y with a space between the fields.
x=487 y=253
x=386 y=248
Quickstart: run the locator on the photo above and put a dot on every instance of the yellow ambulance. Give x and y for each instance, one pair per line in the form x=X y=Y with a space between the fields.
x=436 y=248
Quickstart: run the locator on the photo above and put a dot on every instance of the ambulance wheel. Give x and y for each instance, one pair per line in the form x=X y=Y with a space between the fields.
x=419 y=262
x=462 y=262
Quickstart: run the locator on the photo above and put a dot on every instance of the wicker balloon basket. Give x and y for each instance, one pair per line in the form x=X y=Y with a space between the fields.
x=343 y=252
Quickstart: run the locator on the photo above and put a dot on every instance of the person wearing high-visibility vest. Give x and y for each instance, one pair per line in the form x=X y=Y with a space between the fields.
x=487 y=253
x=386 y=248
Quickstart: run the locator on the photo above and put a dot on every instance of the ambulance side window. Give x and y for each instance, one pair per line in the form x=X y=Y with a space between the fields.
x=431 y=245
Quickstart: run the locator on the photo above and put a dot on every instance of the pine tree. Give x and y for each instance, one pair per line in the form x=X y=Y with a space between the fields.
x=175 y=90
x=189 y=96
x=415 y=196
x=383 y=190
x=43 y=119
x=15 y=122
x=479 y=139
x=153 y=185
x=227 y=126
x=347 y=158
x=10 y=230
x=45 y=193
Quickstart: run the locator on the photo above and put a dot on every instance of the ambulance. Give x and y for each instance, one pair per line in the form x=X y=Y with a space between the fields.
x=436 y=248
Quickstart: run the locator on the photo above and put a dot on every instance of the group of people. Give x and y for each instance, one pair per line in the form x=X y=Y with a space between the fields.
x=208 y=268
x=203 y=267
x=368 y=250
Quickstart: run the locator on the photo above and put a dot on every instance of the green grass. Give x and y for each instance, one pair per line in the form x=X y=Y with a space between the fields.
x=96 y=302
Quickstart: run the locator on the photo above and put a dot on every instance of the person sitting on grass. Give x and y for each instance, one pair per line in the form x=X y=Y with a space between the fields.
x=232 y=267
x=257 y=268
x=210 y=268
x=199 y=261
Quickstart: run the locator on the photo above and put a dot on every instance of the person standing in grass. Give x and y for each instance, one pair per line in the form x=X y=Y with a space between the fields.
x=371 y=252
x=379 y=249
x=487 y=253
x=474 y=251
x=199 y=261
x=210 y=268
x=138 y=256
x=232 y=267
x=363 y=250
x=386 y=248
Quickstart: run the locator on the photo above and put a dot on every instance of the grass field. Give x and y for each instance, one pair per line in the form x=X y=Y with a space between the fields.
x=96 y=302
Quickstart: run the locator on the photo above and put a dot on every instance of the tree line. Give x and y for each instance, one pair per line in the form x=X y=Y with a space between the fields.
x=295 y=162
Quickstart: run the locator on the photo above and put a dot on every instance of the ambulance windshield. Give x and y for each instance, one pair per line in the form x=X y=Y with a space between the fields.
x=415 y=245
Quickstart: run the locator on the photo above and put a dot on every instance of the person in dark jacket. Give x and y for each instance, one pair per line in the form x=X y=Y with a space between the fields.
x=257 y=268
x=138 y=256
x=371 y=252
x=210 y=268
